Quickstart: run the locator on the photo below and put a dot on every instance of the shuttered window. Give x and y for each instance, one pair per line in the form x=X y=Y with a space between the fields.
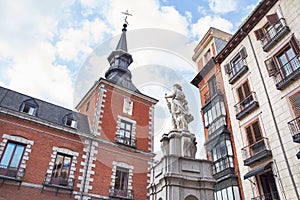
x=243 y=91
x=272 y=19
x=295 y=102
x=253 y=133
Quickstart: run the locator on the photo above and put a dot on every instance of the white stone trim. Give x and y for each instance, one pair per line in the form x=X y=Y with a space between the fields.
x=52 y=162
x=130 y=168
x=27 y=150
x=99 y=110
x=151 y=128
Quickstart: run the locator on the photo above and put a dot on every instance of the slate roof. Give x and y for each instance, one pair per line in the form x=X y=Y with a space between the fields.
x=55 y=114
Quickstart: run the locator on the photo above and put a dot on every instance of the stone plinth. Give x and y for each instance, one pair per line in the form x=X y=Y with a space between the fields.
x=179 y=175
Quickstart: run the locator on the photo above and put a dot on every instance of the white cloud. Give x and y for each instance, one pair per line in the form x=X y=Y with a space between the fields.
x=202 y=25
x=221 y=6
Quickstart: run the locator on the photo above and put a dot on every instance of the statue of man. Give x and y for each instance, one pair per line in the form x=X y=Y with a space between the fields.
x=179 y=109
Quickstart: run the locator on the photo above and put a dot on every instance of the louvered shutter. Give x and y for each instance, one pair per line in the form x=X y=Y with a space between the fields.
x=295 y=101
x=271 y=66
x=256 y=131
x=246 y=89
x=240 y=93
x=249 y=135
x=259 y=34
x=295 y=45
x=272 y=19
x=227 y=68
x=243 y=53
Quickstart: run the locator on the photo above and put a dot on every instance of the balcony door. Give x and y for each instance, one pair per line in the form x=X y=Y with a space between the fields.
x=287 y=61
x=255 y=139
x=244 y=94
x=268 y=186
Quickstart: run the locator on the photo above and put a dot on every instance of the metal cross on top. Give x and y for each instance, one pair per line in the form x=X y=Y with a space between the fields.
x=126 y=15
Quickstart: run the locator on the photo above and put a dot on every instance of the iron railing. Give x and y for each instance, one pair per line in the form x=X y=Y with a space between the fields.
x=245 y=103
x=294 y=126
x=269 y=196
x=124 y=194
x=256 y=148
x=236 y=68
x=287 y=71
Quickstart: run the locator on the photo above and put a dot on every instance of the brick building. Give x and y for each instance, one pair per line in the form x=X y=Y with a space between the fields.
x=260 y=69
x=104 y=151
x=219 y=140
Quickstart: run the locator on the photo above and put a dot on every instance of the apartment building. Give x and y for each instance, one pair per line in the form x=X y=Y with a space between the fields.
x=261 y=74
x=219 y=140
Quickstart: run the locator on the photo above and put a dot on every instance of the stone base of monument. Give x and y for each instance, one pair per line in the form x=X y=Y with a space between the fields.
x=179 y=175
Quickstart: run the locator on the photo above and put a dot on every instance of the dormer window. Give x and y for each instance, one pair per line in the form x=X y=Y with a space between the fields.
x=70 y=120
x=29 y=106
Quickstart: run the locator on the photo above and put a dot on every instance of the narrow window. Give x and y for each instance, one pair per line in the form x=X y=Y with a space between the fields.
x=125 y=132
x=244 y=95
x=255 y=139
x=121 y=181
x=61 y=169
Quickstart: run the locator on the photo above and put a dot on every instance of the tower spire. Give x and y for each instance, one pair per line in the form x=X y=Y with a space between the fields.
x=119 y=61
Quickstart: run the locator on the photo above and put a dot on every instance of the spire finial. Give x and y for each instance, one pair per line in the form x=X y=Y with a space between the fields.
x=126 y=15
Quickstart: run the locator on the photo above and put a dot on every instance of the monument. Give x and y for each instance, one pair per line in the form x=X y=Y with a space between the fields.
x=179 y=175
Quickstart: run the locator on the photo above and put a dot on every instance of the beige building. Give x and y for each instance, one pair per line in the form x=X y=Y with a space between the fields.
x=261 y=74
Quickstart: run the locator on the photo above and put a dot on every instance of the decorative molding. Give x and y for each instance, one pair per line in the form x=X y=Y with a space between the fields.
x=99 y=110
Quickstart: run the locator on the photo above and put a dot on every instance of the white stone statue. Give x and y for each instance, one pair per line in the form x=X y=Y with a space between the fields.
x=179 y=109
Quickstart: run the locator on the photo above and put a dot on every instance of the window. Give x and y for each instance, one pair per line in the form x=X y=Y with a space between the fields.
x=222 y=155
x=71 y=122
x=29 y=106
x=272 y=31
x=244 y=95
x=285 y=64
x=255 y=139
x=294 y=125
x=229 y=193
x=212 y=86
x=11 y=159
x=121 y=181
x=214 y=113
x=126 y=131
x=236 y=65
x=61 y=169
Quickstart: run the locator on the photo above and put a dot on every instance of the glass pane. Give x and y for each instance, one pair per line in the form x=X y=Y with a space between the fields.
x=230 y=193
x=17 y=156
x=122 y=133
x=118 y=180
x=213 y=112
x=128 y=127
x=124 y=180
x=214 y=153
x=58 y=166
x=229 y=148
x=7 y=155
x=127 y=134
x=224 y=194
x=66 y=167
x=122 y=125
x=219 y=194
x=236 y=193
x=218 y=109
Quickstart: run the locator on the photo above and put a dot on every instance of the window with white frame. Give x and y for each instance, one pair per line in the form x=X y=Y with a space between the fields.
x=126 y=131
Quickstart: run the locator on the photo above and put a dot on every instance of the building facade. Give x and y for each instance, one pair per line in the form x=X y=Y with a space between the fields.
x=101 y=151
x=260 y=68
x=219 y=140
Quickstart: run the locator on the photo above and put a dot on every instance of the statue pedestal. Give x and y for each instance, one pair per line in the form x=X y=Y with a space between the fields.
x=179 y=175
x=179 y=143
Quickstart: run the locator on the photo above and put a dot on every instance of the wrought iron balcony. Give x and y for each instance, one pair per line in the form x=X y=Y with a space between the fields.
x=59 y=183
x=246 y=106
x=223 y=167
x=121 y=194
x=256 y=152
x=294 y=126
x=269 y=196
x=125 y=140
x=274 y=34
x=237 y=70
x=287 y=73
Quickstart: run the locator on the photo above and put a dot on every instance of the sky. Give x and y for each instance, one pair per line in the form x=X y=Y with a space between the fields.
x=47 y=47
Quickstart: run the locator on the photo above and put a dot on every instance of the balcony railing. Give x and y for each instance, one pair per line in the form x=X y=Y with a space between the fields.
x=256 y=152
x=287 y=73
x=223 y=166
x=122 y=194
x=59 y=183
x=11 y=174
x=246 y=105
x=208 y=96
x=125 y=140
x=274 y=34
x=269 y=196
x=237 y=70
x=294 y=126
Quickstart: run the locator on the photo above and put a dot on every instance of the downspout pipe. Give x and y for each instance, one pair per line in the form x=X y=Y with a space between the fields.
x=274 y=120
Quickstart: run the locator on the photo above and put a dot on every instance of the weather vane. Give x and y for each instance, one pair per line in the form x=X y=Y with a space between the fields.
x=126 y=15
